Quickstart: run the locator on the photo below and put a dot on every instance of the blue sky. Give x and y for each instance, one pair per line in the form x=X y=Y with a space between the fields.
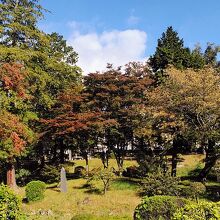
x=119 y=31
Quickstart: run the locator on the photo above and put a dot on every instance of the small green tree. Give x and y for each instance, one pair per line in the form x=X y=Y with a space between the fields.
x=105 y=175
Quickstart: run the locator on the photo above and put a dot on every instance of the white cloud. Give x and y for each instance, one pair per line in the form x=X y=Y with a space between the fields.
x=116 y=47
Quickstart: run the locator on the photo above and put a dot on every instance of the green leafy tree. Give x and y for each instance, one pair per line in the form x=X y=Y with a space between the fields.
x=46 y=58
x=18 y=21
x=190 y=101
x=34 y=67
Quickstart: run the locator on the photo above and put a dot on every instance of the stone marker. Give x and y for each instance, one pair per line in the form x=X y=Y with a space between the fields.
x=63 y=180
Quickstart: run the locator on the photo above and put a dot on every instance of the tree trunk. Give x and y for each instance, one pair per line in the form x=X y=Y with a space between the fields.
x=54 y=157
x=104 y=158
x=11 y=181
x=62 y=155
x=174 y=163
x=210 y=161
x=175 y=155
x=87 y=163
x=119 y=159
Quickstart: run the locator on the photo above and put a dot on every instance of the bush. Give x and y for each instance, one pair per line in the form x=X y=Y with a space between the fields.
x=199 y=211
x=192 y=190
x=215 y=172
x=10 y=205
x=158 y=207
x=174 y=208
x=50 y=174
x=80 y=171
x=22 y=176
x=160 y=184
x=35 y=190
x=132 y=172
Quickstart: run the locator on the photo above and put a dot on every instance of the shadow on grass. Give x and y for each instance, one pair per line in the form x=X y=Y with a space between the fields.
x=125 y=184
x=94 y=191
x=89 y=189
x=25 y=200
x=54 y=187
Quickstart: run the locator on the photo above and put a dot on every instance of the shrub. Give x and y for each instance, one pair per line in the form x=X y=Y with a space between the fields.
x=50 y=174
x=199 y=211
x=105 y=175
x=10 y=205
x=160 y=184
x=215 y=172
x=80 y=171
x=192 y=190
x=35 y=190
x=158 y=207
x=22 y=176
x=132 y=172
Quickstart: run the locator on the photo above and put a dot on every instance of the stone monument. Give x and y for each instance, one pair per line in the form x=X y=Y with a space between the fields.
x=63 y=180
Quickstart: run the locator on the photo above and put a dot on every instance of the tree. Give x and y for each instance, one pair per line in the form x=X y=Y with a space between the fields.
x=35 y=67
x=18 y=23
x=192 y=98
x=118 y=95
x=197 y=58
x=60 y=49
x=210 y=54
x=48 y=60
x=14 y=133
x=170 y=50
x=81 y=128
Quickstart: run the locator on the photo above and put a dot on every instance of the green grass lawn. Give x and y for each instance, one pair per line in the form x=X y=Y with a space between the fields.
x=81 y=204
x=118 y=203
x=189 y=163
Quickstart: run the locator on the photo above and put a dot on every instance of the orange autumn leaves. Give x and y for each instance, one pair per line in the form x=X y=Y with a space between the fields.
x=14 y=134
x=12 y=76
x=189 y=99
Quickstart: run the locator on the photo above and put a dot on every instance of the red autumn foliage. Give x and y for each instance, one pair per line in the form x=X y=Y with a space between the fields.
x=11 y=128
x=18 y=143
x=73 y=122
x=12 y=76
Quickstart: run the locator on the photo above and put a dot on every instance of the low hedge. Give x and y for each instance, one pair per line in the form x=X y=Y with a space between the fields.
x=176 y=208
x=158 y=207
x=198 y=211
